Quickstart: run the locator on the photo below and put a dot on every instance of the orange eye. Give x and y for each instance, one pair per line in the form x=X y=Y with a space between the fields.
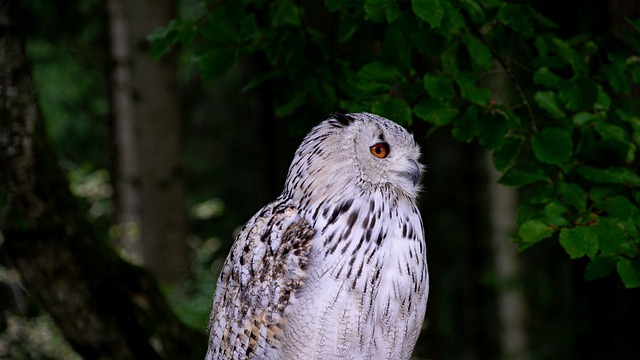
x=380 y=150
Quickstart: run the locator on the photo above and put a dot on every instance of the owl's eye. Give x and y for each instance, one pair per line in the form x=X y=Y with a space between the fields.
x=380 y=150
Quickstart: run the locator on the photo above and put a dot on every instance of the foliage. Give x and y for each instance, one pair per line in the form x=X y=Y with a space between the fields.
x=557 y=113
x=63 y=41
x=192 y=300
x=94 y=187
x=34 y=338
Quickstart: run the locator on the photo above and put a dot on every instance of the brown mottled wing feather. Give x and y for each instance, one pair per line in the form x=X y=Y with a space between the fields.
x=265 y=266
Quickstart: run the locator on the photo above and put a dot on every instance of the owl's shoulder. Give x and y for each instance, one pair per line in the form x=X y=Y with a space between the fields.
x=264 y=268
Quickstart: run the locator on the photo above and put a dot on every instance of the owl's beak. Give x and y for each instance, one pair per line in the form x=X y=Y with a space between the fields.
x=414 y=172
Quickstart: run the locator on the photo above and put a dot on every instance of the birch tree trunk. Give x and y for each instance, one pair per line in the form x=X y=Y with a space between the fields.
x=105 y=307
x=503 y=207
x=126 y=170
x=157 y=114
x=511 y=303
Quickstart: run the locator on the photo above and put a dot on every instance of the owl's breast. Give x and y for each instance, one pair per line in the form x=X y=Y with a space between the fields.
x=366 y=285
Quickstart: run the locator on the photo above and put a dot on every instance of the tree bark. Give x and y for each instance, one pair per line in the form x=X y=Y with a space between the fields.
x=503 y=207
x=512 y=310
x=106 y=308
x=157 y=114
x=126 y=170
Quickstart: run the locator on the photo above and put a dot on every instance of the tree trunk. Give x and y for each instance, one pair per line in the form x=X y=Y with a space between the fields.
x=126 y=171
x=512 y=308
x=157 y=114
x=503 y=207
x=106 y=308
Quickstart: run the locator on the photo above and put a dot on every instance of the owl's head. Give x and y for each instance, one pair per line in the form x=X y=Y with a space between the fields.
x=359 y=151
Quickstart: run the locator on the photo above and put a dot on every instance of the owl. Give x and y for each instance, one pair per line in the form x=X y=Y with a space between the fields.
x=335 y=267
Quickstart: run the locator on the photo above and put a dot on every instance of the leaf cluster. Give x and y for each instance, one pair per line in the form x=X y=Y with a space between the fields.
x=558 y=114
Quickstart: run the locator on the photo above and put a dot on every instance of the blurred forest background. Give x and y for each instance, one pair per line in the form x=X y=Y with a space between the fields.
x=167 y=158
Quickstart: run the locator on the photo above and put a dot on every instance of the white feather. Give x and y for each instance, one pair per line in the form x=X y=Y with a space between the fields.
x=335 y=268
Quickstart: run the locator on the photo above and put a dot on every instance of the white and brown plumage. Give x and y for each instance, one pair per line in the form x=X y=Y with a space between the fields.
x=335 y=267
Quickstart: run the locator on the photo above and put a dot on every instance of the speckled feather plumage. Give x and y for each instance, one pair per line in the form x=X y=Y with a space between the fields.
x=335 y=267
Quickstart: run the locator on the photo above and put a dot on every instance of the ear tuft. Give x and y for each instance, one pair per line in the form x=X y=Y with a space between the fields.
x=343 y=119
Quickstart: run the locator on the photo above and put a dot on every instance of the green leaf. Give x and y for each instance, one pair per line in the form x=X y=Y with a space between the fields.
x=438 y=86
x=453 y=22
x=578 y=94
x=613 y=240
x=480 y=53
x=474 y=9
x=392 y=13
x=573 y=195
x=333 y=5
x=524 y=174
x=571 y=56
x=393 y=108
x=616 y=76
x=504 y=156
x=529 y=211
x=464 y=126
x=435 y=112
x=583 y=118
x=629 y=271
x=600 y=193
x=163 y=38
x=286 y=13
x=635 y=23
x=346 y=29
x=612 y=175
x=554 y=214
x=618 y=139
x=630 y=228
x=467 y=83
x=552 y=146
x=599 y=267
x=215 y=63
x=379 y=10
x=491 y=130
x=288 y=108
x=611 y=132
x=396 y=47
x=516 y=17
x=187 y=34
x=250 y=34
x=379 y=72
x=578 y=242
x=620 y=207
x=259 y=80
x=355 y=106
x=326 y=94
x=544 y=76
x=543 y=194
x=163 y=31
x=376 y=78
x=549 y=101
x=541 y=19
x=533 y=231
x=604 y=101
x=218 y=31
x=430 y=11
